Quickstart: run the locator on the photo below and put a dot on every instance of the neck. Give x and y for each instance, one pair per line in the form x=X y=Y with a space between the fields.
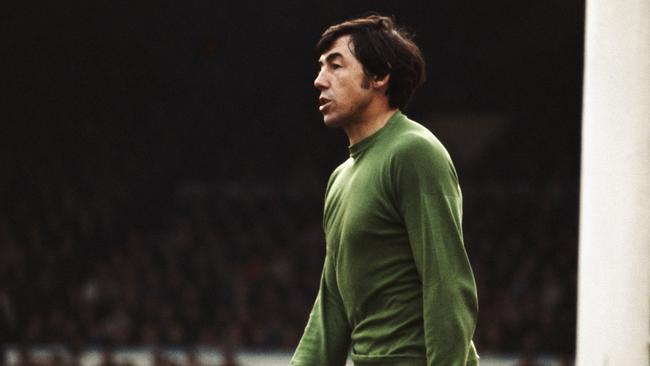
x=368 y=123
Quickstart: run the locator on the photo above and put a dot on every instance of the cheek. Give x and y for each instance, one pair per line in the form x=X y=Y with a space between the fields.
x=355 y=96
x=349 y=92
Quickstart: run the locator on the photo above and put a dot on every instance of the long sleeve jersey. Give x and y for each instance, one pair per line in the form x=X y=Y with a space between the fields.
x=397 y=287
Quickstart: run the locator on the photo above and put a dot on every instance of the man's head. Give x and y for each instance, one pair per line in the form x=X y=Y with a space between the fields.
x=362 y=60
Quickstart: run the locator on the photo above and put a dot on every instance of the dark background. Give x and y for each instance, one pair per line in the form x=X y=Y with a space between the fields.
x=162 y=166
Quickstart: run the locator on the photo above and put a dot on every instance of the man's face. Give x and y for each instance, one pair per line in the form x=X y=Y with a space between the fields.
x=344 y=91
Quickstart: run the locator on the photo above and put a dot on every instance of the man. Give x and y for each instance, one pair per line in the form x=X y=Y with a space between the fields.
x=396 y=286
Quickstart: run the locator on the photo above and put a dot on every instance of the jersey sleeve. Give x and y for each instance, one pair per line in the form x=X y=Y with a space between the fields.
x=326 y=339
x=430 y=202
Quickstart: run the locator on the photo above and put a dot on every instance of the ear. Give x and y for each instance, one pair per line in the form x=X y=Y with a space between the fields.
x=379 y=82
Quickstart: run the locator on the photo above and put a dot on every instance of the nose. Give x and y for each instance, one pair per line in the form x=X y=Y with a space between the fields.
x=320 y=82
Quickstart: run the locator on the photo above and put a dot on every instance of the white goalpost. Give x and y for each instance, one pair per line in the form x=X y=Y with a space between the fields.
x=614 y=261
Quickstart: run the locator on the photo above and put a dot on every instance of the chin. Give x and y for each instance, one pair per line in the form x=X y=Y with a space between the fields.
x=333 y=121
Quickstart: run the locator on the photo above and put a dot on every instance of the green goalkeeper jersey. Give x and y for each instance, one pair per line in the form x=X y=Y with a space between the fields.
x=397 y=287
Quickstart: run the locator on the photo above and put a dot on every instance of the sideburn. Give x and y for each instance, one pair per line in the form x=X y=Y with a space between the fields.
x=365 y=83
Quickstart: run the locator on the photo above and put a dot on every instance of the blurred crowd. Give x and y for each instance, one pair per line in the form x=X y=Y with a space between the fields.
x=113 y=257
x=118 y=248
x=107 y=356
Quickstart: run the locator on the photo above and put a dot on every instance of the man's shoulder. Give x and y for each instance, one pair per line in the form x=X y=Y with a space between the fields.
x=418 y=156
x=415 y=141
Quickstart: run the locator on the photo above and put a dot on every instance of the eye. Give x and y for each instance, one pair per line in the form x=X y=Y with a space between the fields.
x=336 y=66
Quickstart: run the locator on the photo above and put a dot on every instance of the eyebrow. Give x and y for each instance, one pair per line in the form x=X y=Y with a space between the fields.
x=331 y=57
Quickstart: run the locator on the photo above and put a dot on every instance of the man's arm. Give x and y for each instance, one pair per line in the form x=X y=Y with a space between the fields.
x=430 y=201
x=326 y=339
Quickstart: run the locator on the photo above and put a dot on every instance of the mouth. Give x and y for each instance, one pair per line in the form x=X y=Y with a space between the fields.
x=323 y=103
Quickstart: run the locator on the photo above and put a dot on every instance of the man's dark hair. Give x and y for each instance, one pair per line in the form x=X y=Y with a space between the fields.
x=382 y=48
